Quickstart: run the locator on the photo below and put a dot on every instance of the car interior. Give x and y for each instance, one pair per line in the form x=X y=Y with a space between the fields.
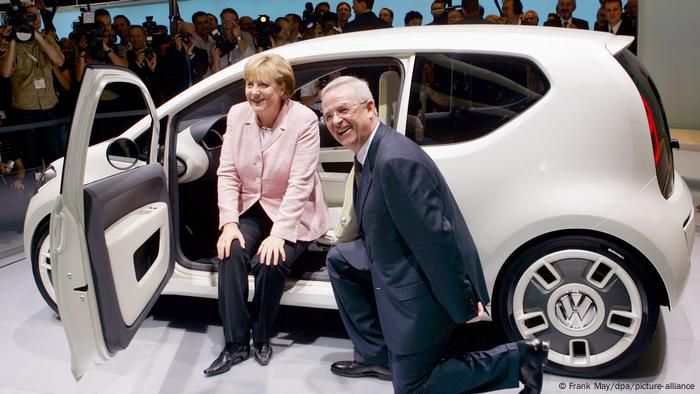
x=197 y=222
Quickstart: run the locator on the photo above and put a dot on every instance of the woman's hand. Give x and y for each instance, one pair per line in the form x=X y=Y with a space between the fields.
x=228 y=235
x=271 y=249
x=479 y=314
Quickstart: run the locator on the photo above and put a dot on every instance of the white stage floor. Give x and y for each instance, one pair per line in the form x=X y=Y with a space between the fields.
x=184 y=335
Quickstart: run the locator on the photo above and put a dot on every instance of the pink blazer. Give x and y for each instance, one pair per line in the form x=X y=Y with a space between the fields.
x=281 y=175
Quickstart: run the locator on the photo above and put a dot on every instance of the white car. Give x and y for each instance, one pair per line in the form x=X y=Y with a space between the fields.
x=554 y=143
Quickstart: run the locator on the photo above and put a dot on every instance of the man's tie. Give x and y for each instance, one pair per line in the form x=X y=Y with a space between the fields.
x=356 y=186
x=358 y=170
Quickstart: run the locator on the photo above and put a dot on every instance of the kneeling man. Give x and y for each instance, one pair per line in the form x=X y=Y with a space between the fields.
x=414 y=273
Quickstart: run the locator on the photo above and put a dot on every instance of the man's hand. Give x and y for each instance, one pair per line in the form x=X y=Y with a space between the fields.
x=18 y=184
x=271 y=249
x=82 y=43
x=152 y=63
x=236 y=30
x=140 y=57
x=189 y=47
x=178 y=42
x=215 y=55
x=7 y=33
x=479 y=314
x=228 y=235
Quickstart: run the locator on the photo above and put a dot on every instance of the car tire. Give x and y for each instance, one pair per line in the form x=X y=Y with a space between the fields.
x=41 y=264
x=588 y=296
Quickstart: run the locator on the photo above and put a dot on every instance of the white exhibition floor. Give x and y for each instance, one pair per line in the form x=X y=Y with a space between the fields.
x=183 y=336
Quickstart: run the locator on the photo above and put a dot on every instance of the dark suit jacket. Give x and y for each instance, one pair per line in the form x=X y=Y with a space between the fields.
x=366 y=21
x=579 y=23
x=627 y=29
x=425 y=268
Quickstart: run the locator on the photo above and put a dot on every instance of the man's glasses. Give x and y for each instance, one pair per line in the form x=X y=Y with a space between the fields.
x=343 y=112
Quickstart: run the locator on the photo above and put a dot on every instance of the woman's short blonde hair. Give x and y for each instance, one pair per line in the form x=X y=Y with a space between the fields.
x=271 y=67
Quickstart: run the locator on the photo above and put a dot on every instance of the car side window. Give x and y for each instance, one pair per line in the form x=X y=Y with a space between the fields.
x=459 y=97
x=121 y=106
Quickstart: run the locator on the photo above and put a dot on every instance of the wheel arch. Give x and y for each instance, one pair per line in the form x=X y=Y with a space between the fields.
x=43 y=222
x=658 y=286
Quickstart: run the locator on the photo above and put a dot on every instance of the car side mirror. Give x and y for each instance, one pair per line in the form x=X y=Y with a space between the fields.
x=122 y=153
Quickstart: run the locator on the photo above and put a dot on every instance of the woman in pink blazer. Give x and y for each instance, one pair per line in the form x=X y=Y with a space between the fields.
x=271 y=205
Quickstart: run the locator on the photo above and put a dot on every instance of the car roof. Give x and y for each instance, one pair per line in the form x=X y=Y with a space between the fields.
x=487 y=38
x=437 y=38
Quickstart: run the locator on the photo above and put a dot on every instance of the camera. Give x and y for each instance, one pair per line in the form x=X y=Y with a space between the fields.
x=92 y=31
x=309 y=18
x=149 y=48
x=312 y=18
x=225 y=46
x=21 y=22
x=186 y=37
x=329 y=22
x=265 y=29
x=149 y=26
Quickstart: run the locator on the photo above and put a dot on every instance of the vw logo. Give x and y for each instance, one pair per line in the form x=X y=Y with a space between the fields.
x=576 y=310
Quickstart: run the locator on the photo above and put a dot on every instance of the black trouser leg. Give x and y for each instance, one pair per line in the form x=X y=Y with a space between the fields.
x=354 y=294
x=426 y=371
x=233 y=279
x=269 y=286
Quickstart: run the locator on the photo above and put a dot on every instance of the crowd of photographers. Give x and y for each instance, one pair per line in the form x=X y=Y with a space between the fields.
x=40 y=73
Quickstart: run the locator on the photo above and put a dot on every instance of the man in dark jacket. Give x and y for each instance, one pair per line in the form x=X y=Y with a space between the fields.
x=472 y=13
x=618 y=23
x=566 y=8
x=414 y=274
x=365 y=19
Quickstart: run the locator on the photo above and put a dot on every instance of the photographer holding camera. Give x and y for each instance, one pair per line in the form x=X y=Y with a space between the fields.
x=232 y=44
x=28 y=62
x=142 y=60
x=95 y=44
x=202 y=38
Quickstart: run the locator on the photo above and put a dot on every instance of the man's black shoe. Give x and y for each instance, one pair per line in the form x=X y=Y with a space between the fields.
x=532 y=365
x=228 y=357
x=353 y=369
x=262 y=353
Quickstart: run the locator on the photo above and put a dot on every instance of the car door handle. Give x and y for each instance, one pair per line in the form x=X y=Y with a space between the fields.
x=57 y=224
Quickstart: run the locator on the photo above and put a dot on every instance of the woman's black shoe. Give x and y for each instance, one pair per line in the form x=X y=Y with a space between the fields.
x=262 y=353
x=228 y=357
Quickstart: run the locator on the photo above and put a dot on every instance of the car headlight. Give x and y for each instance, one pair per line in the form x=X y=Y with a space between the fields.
x=44 y=177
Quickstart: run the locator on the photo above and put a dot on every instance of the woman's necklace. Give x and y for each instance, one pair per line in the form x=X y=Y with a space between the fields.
x=263 y=128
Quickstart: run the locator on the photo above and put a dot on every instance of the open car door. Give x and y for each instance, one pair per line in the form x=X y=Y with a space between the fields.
x=111 y=230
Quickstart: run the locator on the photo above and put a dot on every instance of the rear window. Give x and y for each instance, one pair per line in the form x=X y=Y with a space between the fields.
x=658 y=126
x=458 y=97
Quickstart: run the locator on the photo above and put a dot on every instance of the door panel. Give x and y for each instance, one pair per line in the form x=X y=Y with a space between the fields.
x=113 y=207
x=124 y=239
x=112 y=237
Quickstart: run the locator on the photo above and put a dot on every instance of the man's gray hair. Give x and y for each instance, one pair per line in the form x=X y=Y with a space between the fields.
x=359 y=86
